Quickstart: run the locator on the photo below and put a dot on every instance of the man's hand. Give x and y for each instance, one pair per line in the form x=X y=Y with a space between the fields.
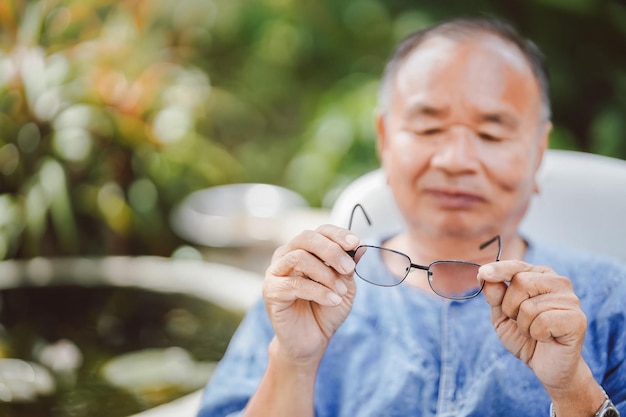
x=309 y=291
x=538 y=318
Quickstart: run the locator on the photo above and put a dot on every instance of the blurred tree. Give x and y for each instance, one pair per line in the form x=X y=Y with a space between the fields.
x=113 y=111
x=99 y=115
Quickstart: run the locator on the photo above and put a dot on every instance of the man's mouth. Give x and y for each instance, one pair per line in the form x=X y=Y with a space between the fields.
x=455 y=199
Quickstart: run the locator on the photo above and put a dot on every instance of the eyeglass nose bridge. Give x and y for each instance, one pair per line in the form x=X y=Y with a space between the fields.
x=420 y=267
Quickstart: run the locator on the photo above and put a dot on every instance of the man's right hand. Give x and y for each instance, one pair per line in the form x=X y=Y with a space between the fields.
x=309 y=291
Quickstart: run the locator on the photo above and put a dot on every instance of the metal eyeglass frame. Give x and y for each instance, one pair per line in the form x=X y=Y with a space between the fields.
x=426 y=268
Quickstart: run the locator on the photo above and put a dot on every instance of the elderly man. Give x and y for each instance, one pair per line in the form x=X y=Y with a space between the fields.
x=463 y=124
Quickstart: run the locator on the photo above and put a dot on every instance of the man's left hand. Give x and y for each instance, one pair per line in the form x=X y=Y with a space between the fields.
x=538 y=318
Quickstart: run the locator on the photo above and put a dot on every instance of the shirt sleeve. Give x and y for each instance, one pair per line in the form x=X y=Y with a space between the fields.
x=239 y=372
x=606 y=329
x=614 y=382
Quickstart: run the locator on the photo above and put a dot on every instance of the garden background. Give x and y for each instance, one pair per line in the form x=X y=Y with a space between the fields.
x=111 y=112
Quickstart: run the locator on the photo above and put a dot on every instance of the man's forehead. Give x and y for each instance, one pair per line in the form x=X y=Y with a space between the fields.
x=441 y=50
x=483 y=69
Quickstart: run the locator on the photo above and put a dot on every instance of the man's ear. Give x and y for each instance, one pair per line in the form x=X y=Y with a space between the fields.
x=542 y=139
x=544 y=136
x=382 y=135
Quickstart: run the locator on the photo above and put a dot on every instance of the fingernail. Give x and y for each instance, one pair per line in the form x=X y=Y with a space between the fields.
x=347 y=264
x=341 y=288
x=334 y=298
x=352 y=240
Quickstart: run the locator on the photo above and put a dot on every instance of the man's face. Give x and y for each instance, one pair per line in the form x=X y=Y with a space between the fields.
x=463 y=137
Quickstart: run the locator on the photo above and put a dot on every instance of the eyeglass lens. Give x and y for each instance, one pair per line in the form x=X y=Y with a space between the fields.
x=451 y=279
x=398 y=264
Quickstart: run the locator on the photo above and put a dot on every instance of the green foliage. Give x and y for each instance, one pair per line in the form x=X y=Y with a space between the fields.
x=100 y=125
x=112 y=111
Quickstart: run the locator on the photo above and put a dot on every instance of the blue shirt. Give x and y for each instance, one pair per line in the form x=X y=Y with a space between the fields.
x=404 y=353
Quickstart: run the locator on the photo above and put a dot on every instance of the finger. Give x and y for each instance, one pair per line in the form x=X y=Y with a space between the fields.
x=533 y=308
x=504 y=271
x=302 y=264
x=285 y=291
x=494 y=293
x=329 y=243
x=565 y=326
x=344 y=237
x=505 y=328
x=527 y=285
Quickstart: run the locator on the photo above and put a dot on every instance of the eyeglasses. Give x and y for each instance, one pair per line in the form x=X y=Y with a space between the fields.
x=447 y=278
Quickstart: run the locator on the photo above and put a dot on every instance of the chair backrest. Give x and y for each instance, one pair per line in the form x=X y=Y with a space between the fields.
x=581 y=204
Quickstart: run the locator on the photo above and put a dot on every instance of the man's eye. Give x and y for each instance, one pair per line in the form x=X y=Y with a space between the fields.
x=431 y=132
x=488 y=137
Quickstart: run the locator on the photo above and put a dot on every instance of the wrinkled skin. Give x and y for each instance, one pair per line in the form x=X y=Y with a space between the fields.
x=300 y=284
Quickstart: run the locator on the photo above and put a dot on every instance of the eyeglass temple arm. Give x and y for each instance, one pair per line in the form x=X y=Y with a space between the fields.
x=358 y=205
x=490 y=241
x=352 y=253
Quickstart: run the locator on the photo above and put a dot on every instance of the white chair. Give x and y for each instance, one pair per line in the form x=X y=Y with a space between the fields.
x=582 y=203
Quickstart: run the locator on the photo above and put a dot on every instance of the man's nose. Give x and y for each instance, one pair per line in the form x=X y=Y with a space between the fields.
x=457 y=153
